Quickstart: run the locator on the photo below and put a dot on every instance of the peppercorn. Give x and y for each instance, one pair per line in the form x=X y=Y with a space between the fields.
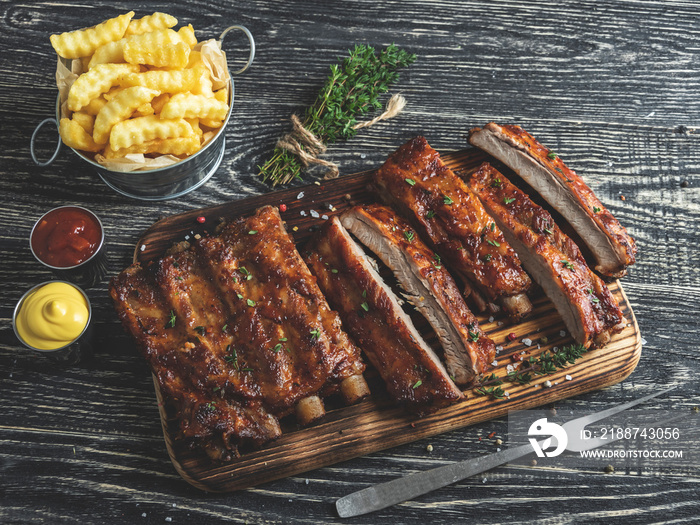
x=283 y=208
x=201 y=219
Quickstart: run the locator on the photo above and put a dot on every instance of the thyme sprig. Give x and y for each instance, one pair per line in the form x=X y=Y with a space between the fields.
x=546 y=363
x=352 y=89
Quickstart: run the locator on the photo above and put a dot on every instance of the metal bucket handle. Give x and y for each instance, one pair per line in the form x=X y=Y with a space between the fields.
x=31 y=143
x=251 y=56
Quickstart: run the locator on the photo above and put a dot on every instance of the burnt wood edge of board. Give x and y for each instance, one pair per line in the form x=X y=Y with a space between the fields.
x=382 y=425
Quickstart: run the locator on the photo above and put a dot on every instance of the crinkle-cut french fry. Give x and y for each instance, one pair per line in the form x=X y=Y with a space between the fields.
x=144 y=110
x=194 y=122
x=222 y=95
x=94 y=106
x=113 y=92
x=86 y=120
x=85 y=63
x=162 y=48
x=142 y=129
x=174 y=146
x=74 y=136
x=84 y=42
x=188 y=105
x=195 y=59
x=98 y=80
x=172 y=81
x=204 y=85
x=120 y=108
x=150 y=23
x=110 y=53
x=160 y=101
x=187 y=35
x=211 y=123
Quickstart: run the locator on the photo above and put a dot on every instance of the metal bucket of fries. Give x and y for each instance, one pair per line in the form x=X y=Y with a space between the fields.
x=154 y=133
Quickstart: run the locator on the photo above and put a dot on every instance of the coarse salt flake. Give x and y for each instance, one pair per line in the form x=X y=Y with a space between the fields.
x=507 y=394
x=568 y=377
x=143 y=514
x=301 y=195
x=491 y=319
x=168 y=518
x=143 y=247
x=324 y=217
x=314 y=214
x=500 y=323
x=562 y=333
x=644 y=341
x=302 y=213
x=510 y=368
x=187 y=237
x=495 y=363
x=526 y=341
x=499 y=348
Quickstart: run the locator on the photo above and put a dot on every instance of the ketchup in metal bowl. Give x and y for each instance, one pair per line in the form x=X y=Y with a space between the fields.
x=66 y=237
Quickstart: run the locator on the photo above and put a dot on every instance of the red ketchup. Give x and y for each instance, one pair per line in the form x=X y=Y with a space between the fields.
x=66 y=237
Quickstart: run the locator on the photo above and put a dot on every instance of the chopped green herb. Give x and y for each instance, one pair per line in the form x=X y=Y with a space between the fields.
x=568 y=265
x=430 y=214
x=364 y=293
x=216 y=389
x=252 y=232
x=250 y=302
x=437 y=261
x=409 y=236
x=178 y=278
x=410 y=182
x=552 y=155
x=473 y=336
x=487 y=257
x=246 y=369
x=277 y=347
x=283 y=339
x=365 y=307
x=493 y=243
x=417 y=384
x=211 y=405
x=333 y=270
x=496 y=183
x=223 y=328
x=447 y=200
x=245 y=272
x=232 y=357
x=493 y=226
x=200 y=330
x=548 y=231
x=507 y=200
x=315 y=334
x=596 y=209
x=171 y=321
x=239 y=296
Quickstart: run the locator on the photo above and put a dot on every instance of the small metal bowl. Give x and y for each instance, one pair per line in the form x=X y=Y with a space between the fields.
x=171 y=181
x=73 y=352
x=89 y=272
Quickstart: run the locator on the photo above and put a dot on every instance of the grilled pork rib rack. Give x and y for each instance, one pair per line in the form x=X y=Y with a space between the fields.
x=448 y=215
x=238 y=334
x=608 y=241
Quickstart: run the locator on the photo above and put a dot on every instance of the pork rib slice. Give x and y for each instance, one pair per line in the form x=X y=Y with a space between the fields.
x=428 y=286
x=553 y=260
x=371 y=313
x=450 y=218
x=608 y=241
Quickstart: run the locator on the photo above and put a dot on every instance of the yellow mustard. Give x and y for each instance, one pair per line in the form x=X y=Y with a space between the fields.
x=52 y=316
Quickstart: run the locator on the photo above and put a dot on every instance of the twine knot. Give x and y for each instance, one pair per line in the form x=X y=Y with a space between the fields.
x=309 y=148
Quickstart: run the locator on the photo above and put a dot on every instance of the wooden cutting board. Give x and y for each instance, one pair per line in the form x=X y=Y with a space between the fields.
x=376 y=424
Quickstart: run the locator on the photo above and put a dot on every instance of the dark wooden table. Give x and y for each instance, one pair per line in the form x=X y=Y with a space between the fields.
x=613 y=87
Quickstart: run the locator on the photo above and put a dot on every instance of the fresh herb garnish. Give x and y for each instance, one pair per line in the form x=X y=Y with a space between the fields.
x=508 y=200
x=487 y=257
x=352 y=89
x=437 y=261
x=245 y=272
x=333 y=270
x=365 y=306
x=596 y=209
x=408 y=235
x=430 y=214
x=447 y=200
x=568 y=265
x=252 y=232
x=277 y=347
x=250 y=302
x=417 y=384
x=200 y=330
x=496 y=183
x=493 y=243
x=552 y=155
x=171 y=321
x=315 y=334
x=410 y=182
x=232 y=356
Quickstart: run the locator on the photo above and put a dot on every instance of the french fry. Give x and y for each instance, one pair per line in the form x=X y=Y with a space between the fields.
x=150 y=23
x=84 y=42
x=142 y=129
x=174 y=146
x=86 y=121
x=187 y=35
x=165 y=81
x=162 y=48
x=160 y=101
x=74 y=136
x=222 y=95
x=94 y=106
x=98 y=80
x=211 y=123
x=144 y=110
x=110 y=53
x=194 y=122
x=188 y=105
x=118 y=109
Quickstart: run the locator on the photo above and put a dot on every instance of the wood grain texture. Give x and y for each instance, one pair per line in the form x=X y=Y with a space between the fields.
x=611 y=85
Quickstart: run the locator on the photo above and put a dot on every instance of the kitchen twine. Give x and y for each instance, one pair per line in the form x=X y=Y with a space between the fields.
x=305 y=145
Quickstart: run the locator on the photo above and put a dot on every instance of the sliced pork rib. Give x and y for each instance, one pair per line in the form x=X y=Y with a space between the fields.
x=427 y=285
x=238 y=334
x=553 y=260
x=371 y=313
x=448 y=215
x=564 y=190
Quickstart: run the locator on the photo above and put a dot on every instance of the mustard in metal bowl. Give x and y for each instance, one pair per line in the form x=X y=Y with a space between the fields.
x=52 y=316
